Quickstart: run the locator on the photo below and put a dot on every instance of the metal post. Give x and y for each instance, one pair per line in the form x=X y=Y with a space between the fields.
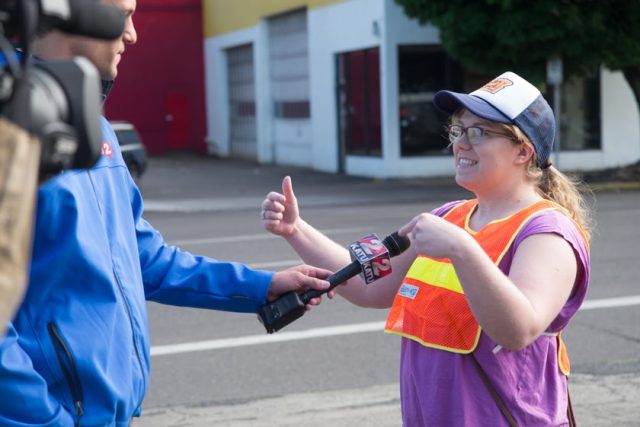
x=554 y=77
x=557 y=93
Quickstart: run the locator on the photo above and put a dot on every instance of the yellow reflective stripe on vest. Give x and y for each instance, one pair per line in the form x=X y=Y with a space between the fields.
x=435 y=273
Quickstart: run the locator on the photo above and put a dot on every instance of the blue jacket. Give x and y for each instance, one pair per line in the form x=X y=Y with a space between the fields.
x=78 y=348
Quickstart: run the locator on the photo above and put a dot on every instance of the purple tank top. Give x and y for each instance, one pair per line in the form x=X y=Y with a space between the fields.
x=439 y=388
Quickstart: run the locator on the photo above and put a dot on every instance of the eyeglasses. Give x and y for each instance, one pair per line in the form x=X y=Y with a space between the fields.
x=475 y=134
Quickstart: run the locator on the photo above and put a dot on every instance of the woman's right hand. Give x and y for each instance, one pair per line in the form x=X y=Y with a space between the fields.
x=280 y=214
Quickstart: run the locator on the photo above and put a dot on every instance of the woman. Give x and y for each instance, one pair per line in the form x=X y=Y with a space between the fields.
x=489 y=284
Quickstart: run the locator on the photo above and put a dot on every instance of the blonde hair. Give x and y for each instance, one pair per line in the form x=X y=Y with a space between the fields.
x=569 y=192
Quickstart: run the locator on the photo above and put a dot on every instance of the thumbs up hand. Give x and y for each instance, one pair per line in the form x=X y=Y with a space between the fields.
x=280 y=214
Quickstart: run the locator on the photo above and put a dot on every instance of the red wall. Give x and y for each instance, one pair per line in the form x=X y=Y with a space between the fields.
x=160 y=83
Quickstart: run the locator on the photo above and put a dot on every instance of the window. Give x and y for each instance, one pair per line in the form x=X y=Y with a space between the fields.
x=580 y=114
x=422 y=71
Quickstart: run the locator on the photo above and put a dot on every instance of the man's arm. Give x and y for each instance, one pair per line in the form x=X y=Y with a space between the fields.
x=175 y=277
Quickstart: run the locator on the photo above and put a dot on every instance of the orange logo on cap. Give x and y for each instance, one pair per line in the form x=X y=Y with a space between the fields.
x=496 y=85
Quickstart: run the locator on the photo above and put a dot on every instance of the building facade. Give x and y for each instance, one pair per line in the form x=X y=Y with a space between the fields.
x=346 y=86
x=160 y=81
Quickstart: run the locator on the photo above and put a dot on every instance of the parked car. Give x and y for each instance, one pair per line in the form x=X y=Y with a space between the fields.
x=133 y=151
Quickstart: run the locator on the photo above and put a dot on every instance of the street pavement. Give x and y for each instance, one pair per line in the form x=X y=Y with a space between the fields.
x=187 y=183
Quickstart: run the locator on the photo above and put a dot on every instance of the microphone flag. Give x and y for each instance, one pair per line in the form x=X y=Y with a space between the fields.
x=373 y=257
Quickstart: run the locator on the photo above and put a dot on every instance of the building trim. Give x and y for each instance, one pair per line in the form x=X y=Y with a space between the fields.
x=224 y=16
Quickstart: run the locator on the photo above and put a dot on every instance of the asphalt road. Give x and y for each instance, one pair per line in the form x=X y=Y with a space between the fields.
x=601 y=341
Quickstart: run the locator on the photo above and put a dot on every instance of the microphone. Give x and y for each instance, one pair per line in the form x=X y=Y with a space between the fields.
x=371 y=259
x=82 y=17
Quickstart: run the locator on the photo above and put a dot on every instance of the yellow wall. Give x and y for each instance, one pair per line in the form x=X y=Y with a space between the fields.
x=223 y=16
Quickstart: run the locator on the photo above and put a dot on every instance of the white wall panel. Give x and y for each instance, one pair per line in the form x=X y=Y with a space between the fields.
x=339 y=28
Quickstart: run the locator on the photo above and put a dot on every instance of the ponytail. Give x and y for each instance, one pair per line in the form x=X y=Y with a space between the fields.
x=557 y=187
x=566 y=191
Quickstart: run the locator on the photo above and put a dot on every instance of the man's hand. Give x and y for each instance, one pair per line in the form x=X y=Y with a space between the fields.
x=299 y=279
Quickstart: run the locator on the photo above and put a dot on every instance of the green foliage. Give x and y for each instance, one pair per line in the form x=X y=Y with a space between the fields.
x=491 y=36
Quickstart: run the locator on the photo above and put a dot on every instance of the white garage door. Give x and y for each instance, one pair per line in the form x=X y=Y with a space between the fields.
x=242 y=102
x=289 y=66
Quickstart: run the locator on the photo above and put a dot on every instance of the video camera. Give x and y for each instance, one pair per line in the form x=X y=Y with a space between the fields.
x=59 y=102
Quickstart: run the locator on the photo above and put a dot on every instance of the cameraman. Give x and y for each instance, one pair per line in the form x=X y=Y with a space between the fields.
x=77 y=351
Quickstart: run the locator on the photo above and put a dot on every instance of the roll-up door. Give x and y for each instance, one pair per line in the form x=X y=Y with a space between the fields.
x=242 y=102
x=289 y=66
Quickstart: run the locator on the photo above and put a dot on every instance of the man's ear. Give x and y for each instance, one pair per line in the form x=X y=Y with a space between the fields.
x=524 y=154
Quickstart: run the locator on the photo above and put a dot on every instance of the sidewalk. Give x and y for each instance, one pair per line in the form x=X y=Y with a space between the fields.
x=598 y=401
x=176 y=184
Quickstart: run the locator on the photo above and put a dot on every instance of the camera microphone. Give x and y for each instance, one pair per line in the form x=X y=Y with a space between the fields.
x=82 y=17
x=371 y=260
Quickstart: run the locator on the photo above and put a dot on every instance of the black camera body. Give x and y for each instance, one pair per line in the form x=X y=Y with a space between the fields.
x=279 y=313
x=62 y=108
x=59 y=102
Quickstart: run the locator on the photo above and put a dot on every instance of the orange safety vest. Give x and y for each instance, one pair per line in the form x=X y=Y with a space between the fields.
x=430 y=306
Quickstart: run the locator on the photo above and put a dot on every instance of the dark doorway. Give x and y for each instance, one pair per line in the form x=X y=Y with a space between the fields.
x=358 y=85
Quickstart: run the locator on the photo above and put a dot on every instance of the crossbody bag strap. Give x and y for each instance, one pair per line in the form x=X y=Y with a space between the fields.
x=570 y=415
x=501 y=405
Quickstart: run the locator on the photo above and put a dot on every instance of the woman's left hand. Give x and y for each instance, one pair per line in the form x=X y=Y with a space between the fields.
x=433 y=236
